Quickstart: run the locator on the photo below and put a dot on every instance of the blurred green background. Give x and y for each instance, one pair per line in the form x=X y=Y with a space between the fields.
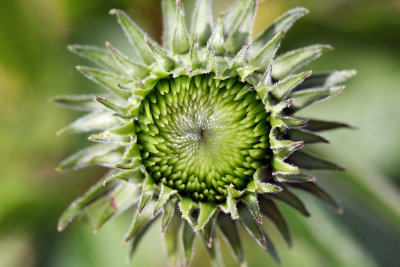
x=35 y=65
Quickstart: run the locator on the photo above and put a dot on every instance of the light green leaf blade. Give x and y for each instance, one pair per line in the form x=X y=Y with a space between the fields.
x=287 y=63
x=310 y=162
x=201 y=21
x=97 y=120
x=108 y=80
x=135 y=35
x=97 y=55
x=77 y=102
x=171 y=237
x=283 y=23
x=180 y=41
x=123 y=197
x=231 y=233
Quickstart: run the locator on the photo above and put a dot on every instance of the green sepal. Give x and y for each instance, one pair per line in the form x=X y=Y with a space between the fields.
x=320 y=193
x=207 y=209
x=97 y=55
x=185 y=205
x=269 y=209
x=168 y=211
x=97 y=120
x=107 y=137
x=180 y=41
x=291 y=122
x=264 y=87
x=171 y=237
x=254 y=229
x=245 y=72
x=195 y=62
x=294 y=178
x=106 y=79
x=279 y=166
x=169 y=21
x=283 y=23
x=215 y=253
x=163 y=60
x=292 y=60
x=251 y=201
x=211 y=64
x=315 y=125
x=82 y=157
x=209 y=228
x=275 y=110
x=76 y=102
x=127 y=128
x=326 y=79
x=310 y=162
x=140 y=220
x=94 y=193
x=238 y=23
x=137 y=237
x=188 y=237
x=258 y=185
x=201 y=21
x=306 y=97
x=147 y=193
x=285 y=151
x=123 y=197
x=134 y=70
x=240 y=58
x=134 y=176
x=292 y=200
x=109 y=159
x=216 y=41
x=265 y=56
x=135 y=35
x=165 y=194
x=231 y=202
x=232 y=236
x=111 y=105
x=307 y=137
x=285 y=86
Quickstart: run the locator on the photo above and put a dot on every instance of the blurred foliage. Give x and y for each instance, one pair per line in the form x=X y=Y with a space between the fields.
x=35 y=65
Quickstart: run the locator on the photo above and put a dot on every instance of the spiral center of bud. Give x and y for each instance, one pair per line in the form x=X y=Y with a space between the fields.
x=199 y=135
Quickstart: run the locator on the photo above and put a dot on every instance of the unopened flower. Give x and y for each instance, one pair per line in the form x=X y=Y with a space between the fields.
x=201 y=132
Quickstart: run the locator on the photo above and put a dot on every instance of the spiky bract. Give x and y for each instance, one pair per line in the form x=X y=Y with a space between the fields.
x=202 y=128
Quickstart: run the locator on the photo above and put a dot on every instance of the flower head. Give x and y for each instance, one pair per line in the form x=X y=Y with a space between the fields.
x=201 y=132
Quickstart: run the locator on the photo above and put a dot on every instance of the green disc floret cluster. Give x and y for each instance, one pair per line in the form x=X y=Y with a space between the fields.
x=199 y=135
x=201 y=131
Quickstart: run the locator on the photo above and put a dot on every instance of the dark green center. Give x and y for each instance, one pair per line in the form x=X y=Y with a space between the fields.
x=199 y=135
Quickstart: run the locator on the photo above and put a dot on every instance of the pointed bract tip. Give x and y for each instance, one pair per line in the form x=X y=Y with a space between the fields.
x=108 y=45
x=262 y=243
x=80 y=68
x=327 y=47
x=353 y=72
x=60 y=227
x=301 y=9
x=209 y=242
x=72 y=48
x=114 y=11
x=339 y=210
